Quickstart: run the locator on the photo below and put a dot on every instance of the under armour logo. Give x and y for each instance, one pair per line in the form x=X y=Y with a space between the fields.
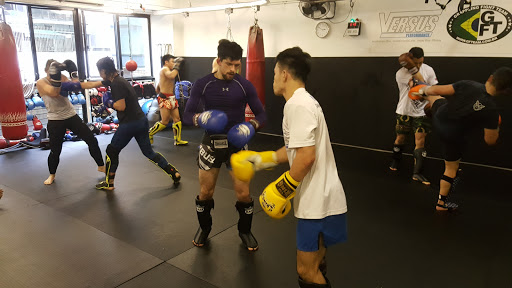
x=225 y=89
x=478 y=106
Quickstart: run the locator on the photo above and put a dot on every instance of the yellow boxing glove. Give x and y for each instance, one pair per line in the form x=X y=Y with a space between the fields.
x=244 y=163
x=275 y=199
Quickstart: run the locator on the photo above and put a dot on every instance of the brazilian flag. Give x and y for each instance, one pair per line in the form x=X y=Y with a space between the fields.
x=467 y=24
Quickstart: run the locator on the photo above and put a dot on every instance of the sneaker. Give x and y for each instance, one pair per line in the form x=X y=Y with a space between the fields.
x=420 y=178
x=249 y=241
x=103 y=185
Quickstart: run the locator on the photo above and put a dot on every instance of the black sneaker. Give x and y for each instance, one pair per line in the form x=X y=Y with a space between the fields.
x=249 y=241
x=201 y=237
x=103 y=185
x=420 y=178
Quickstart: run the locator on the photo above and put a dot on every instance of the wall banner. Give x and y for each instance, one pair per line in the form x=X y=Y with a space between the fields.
x=480 y=24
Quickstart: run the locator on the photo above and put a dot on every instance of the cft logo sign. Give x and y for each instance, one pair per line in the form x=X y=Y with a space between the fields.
x=480 y=24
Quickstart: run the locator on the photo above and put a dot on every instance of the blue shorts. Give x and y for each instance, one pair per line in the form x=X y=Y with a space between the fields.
x=333 y=229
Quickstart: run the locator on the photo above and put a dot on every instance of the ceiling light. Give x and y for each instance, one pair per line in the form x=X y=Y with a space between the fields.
x=211 y=8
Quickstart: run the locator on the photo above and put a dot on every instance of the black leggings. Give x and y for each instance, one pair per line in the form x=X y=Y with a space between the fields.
x=57 y=130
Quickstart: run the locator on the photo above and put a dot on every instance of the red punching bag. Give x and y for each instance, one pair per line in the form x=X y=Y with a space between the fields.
x=255 y=71
x=13 y=113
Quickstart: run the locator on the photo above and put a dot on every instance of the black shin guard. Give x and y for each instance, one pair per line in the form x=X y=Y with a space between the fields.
x=203 y=208
x=397 y=152
x=245 y=210
x=112 y=159
x=419 y=155
x=397 y=156
x=168 y=168
x=304 y=284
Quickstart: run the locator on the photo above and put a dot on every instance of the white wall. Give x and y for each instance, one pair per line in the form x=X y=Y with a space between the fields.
x=284 y=26
x=162 y=32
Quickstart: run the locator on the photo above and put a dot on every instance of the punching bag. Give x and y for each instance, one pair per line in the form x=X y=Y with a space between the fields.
x=13 y=113
x=255 y=71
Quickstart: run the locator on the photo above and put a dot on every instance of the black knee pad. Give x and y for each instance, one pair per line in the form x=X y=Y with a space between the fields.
x=304 y=284
x=112 y=153
x=447 y=179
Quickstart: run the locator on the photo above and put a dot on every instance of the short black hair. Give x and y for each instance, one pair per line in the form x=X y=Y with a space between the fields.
x=502 y=80
x=107 y=64
x=229 y=49
x=417 y=52
x=167 y=57
x=296 y=61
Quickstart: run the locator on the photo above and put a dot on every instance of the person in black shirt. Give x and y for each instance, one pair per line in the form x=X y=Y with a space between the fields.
x=460 y=108
x=132 y=124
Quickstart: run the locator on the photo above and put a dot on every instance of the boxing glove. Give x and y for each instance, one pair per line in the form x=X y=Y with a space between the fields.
x=418 y=92
x=74 y=99
x=37 y=124
x=71 y=68
x=30 y=104
x=107 y=100
x=406 y=61
x=70 y=86
x=38 y=102
x=244 y=163
x=275 y=199
x=213 y=121
x=177 y=63
x=105 y=127
x=54 y=71
x=240 y=134
x=81 y=98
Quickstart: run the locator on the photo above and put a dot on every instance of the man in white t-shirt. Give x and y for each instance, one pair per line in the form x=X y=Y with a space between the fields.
x=313 y=179
x=410 y=115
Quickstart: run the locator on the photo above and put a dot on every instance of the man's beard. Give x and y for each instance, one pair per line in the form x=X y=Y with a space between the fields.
x=228 y=77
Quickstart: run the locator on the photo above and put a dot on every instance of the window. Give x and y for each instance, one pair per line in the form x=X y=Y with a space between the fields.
x=135 y=44
x=17 y=17
x=54 y=36
x=100 y=40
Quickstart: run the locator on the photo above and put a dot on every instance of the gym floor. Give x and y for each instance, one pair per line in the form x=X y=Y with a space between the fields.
x=140 y=235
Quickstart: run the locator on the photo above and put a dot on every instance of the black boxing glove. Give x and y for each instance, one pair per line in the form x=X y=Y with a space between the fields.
x=71 y=68
x=55 y=73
